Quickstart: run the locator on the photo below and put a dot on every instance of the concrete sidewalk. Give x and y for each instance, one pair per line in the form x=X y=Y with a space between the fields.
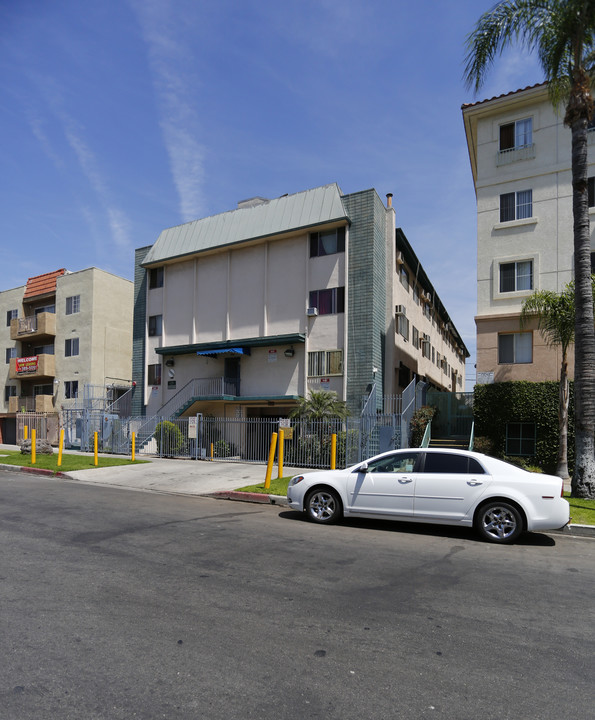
x=184 y=477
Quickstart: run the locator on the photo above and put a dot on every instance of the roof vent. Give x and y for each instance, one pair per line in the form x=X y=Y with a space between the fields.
x=253 y=202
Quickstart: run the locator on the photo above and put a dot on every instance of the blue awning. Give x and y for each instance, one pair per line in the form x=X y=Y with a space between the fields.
x=220 y=351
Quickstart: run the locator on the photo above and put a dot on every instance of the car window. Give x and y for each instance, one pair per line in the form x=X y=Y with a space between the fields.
x=449 y=463
x=475 y=468
x=401 y=463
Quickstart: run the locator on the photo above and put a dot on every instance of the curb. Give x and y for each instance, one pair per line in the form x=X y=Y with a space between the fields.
x=34 y=471
x=249 y=497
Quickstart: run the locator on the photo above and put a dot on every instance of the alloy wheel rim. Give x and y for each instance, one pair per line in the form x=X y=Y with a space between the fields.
x=322 y=506
x=499 y=522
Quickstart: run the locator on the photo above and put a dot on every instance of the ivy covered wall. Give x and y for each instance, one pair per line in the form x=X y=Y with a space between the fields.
x=498 y=406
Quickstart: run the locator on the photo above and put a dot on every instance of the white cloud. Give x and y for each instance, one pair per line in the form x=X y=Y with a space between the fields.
x=169 y=60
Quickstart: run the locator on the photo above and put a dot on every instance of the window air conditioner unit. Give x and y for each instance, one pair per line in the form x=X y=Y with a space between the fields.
x=400 y=259
x=312 y=312
x=399 y=309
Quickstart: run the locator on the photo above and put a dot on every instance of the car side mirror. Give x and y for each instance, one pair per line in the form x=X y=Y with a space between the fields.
x=363 y=468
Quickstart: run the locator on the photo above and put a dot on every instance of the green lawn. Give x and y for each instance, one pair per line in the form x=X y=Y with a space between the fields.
x=70 y=462
x=582 y=512
x=278 y=487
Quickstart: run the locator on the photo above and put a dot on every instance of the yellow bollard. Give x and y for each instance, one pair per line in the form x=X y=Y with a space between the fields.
x=133 y=444
x=267 y=480
x=25 y=432
x=333 y=451
x=95 y=445
x=280 y=453
x=33 y=438
x=60 y=447
x=212 y=450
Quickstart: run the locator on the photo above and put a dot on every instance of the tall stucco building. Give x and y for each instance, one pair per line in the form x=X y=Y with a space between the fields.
x=520 y=154
x=64 y=331
x=239 y=314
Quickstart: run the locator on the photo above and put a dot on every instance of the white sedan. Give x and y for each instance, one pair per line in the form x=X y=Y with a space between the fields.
x=452 y=487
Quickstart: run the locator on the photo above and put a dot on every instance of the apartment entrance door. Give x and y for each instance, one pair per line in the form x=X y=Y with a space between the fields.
x=231 y=371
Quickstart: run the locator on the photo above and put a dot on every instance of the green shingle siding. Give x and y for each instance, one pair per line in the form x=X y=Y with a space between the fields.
x=138 y=330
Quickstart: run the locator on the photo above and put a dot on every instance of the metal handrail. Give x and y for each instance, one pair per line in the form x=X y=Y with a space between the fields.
x=427 y=435
x=199 y=387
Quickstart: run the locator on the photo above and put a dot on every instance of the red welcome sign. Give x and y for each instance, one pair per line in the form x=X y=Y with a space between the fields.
x=27 y=364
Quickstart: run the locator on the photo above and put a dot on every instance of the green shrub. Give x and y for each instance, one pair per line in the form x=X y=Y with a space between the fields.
x=419 y=422
x=170 y=437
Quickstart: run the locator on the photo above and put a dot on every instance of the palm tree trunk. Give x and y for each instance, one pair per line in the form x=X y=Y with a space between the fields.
x=583 y=480
x=562 y=463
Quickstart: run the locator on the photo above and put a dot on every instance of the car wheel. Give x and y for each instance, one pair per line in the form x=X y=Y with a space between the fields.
x=499 y=522
x=323 y=506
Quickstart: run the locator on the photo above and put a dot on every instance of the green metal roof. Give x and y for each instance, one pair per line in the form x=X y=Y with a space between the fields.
x=301 y=210
x=271 y=340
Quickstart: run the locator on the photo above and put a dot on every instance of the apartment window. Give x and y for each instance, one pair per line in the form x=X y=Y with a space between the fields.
x=9 y=391
x=516 y=134
x=155 y=278
x=425 y=346
x=516 y=205
x=515 y=348
x=415 y=334
x=154 y=374
x=10 y=353
x=404 y=277
x=416 y=293
x=403 y=325
x=71 y=347
x=43 y=390
x=325 y=362
x=73 y=304
x=155 y=325
x=44 y=349
x=520 y=438
x=328 y=302
x=11 y=315
x=516 y=276
x=329 y=242
x=71 y=389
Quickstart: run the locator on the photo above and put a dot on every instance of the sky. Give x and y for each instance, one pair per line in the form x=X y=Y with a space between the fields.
x=125 y=117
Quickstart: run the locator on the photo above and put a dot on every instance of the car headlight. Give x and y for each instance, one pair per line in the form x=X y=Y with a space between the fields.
x=295 y=480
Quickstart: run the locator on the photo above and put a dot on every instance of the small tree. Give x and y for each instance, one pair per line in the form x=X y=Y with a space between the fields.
x=555 y=314
x=555 y=319
x=321 y=405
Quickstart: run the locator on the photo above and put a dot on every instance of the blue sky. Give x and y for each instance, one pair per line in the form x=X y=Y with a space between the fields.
x=124 y=117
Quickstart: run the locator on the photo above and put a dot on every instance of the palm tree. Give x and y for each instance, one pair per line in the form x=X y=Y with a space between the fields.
x=562 y=32
x=321 y=405
x=555 y=319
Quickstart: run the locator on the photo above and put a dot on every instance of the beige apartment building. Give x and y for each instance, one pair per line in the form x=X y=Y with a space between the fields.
x=64 y=332
x=240 y=314
x=520 y=154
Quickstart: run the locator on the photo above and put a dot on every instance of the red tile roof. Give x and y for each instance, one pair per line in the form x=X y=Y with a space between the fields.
x=496 y=97
x=42 y=284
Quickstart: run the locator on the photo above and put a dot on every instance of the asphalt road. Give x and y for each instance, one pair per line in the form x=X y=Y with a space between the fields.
x=119 y=604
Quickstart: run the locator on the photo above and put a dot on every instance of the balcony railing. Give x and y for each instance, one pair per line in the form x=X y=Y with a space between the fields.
x=523 y=152
x=33 y=326
x=38 y=403
x=200 y=387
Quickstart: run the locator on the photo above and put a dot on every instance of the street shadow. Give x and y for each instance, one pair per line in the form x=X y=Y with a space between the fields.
x=451 y=532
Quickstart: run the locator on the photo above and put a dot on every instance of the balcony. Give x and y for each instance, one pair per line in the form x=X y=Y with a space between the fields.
x=33 y=327
x=39 y=403
x=34 y=367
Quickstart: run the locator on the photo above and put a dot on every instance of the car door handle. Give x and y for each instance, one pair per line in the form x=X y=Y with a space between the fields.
x=474 y=483
x=405 y=480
